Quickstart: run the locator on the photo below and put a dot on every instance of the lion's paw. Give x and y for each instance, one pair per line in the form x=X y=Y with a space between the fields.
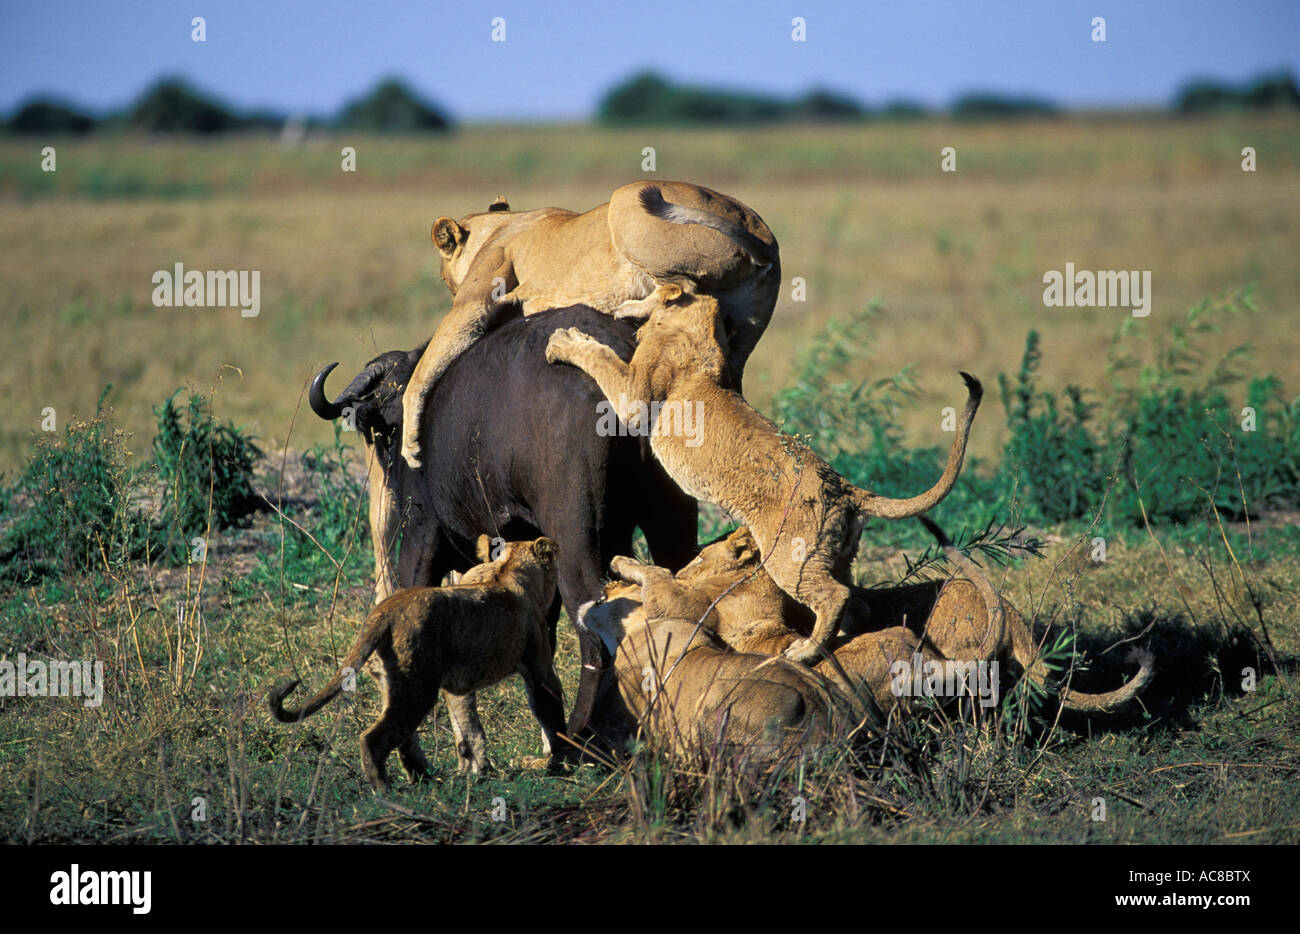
x=562 y=341
x=411 y=453
x=804 y=650
x=621 y=566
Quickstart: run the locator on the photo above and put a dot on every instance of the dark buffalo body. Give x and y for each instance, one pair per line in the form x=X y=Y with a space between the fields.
x=512 y=449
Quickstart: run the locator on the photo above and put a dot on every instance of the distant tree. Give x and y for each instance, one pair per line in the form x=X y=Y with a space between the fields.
x=649 y=98
x=393 y=107
x=1204 y=96
x=45 y=116
x=821 y=104
x=992 y=106
x=642 y=97
x=1276 y=90
x=1264 y=92
x=900 y=109
x=172 y=106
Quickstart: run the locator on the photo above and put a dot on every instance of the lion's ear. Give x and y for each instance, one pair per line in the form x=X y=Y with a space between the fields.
x=546 y=549
x=670 y=292
x=499 y=203
x=483 y=549
x=448 y=235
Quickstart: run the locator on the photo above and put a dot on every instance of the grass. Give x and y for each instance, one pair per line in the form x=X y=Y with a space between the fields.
x=1209 y=757
x=347 y=268
x=1211 y=754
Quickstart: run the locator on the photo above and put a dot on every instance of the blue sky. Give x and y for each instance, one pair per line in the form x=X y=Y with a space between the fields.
x=558 y=58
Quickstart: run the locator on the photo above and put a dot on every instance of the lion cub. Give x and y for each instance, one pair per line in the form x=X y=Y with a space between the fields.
x=460 y=638
x=737 y=602
x=691 y=691
x=962 y=620
x=805 y=517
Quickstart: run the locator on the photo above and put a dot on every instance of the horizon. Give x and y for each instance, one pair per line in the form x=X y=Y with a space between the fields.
x=290 y=59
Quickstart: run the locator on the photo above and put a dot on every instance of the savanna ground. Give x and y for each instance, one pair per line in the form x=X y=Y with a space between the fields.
x=955 y=261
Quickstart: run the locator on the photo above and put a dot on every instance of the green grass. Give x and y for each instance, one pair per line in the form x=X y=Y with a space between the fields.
x=860 y=212
x=188 y=650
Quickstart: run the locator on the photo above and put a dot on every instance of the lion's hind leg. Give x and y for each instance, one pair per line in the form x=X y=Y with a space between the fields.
x=407 y=702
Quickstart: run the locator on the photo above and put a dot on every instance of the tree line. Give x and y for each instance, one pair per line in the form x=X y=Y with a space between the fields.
x=171 y=105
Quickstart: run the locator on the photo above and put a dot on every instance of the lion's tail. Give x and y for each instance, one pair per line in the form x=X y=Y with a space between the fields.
x=886 y=507
x=652 y=200
x=1023 y=648
x=374 y=632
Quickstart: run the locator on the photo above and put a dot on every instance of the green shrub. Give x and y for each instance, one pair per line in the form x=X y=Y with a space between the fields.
x=205 y=468
x=43 y=117
x=1170 y=439
x=648 y=98
x=1057 y=459
x=1179 y=437
x=339 y=524
x=392 y=107
x=1171 y=430
x=72 y=508
x=854 y=424
x=172 y=106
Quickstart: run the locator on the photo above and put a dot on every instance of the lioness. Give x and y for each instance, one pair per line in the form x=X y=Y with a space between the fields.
x=691 y=691
x=745 y=611
x=461 y=638
x=648 y=233
x=963 y=620
x=805 y=517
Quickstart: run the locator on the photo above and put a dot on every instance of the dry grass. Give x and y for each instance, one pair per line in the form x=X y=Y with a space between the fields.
x=860 y=213
x=347 y=267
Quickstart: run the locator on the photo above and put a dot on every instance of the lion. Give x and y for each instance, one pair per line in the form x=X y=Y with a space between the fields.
x=460 y=638
x=962 y=620
x=689 y=690
x=746 y=611
x=804 y=516
x=501 y=263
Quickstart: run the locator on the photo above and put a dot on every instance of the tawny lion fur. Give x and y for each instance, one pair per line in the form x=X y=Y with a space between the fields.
x=608 y=258
x=805 y=518
x=462 y=638
x=690 y=691
x=962 y=620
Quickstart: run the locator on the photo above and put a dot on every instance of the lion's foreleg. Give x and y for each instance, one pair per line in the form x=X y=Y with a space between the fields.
x=480 y=296
x=597 y=360
x=384 y=521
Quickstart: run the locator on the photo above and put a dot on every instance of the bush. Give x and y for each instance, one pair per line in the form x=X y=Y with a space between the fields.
x=393 y=107
x=1170 y=440
x=992 y=106
x=42 y=117
x=205 y=468
x=172 y=106
x=72 y=508
x=1178 y=436
x=1058 y=461
x=854 y=425
x=650 y=98
x=340 y=526
x=1173 y=435
x=1262 y=93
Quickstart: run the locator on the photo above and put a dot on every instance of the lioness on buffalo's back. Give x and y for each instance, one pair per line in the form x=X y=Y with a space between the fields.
x=500 y=263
